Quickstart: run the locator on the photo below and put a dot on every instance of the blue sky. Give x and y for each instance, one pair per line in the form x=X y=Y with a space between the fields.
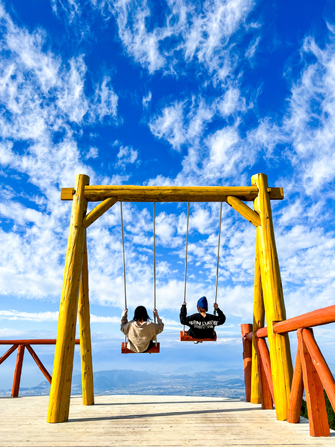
x=164 y=93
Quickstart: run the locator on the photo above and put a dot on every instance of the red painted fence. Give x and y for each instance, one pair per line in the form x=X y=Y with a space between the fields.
x=21 y=345
x=311 y=372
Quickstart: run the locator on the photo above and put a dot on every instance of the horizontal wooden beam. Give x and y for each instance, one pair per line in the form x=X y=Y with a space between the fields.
x=32 y=342
x=129 y=193
x=244 y=210
x=311 y=319
x=98 y=211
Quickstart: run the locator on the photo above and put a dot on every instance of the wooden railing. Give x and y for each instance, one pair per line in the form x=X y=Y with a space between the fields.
x=20 y=345
x=311 y=372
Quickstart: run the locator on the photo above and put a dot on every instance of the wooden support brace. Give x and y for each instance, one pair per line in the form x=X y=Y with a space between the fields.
x=320 y=365
x=258 y=322
x=247 y=357
x=316 y=405
x=244 y=210
x=8 y=353
x=98 y=211
x=17 y=372
x=297 y=391
x=39 y=363
x=266 y=397
x=85 y=334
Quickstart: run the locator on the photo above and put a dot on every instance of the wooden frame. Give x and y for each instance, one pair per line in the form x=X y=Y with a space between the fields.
x=269 y=301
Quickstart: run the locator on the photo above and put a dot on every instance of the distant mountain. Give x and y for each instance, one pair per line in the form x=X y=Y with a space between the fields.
x=116 y=378
x=211 y=383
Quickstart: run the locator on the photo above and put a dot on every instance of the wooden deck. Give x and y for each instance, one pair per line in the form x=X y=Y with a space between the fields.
x=150 y=421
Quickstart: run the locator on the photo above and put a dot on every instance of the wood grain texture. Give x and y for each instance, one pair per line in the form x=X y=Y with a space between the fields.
x=85 y=334
x=258 y=322
x=244 y=210
x=18 y=371
x=297 y=391
x=247 y=359
x=151 y=421
x=59 y=402
x=130 y=193
x=320 y=365
x=316 y=405
x=98 y=211
x=280 y=354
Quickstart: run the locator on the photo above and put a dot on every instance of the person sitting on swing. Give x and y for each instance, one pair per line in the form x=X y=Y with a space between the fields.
x=202 y=324
x=140 y=331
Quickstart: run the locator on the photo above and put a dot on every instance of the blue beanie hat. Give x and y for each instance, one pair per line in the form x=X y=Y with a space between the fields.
x=202 y=303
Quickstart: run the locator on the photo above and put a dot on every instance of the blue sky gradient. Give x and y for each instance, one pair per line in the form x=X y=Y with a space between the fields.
x=164 y=93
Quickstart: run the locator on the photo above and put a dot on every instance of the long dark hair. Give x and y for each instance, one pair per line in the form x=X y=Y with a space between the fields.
x=141 y=314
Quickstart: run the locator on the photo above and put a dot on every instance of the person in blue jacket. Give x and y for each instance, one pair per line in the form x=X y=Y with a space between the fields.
x=202 y=324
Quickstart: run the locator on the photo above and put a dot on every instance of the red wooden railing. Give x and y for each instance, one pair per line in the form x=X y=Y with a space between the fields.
x=311 y=372
x=21 y=345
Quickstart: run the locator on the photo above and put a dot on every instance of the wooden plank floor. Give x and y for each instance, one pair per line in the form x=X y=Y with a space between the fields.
x=150 y=421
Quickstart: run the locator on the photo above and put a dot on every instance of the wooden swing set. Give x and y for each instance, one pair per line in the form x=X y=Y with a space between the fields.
x=75 y=299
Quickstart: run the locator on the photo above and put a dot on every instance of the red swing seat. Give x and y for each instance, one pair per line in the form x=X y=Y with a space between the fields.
x=186 y=337
x=154 y=350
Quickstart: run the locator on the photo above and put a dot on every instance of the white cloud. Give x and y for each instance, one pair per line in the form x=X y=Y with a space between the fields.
x=146 y=100
x=126 y=155
x=48 y=316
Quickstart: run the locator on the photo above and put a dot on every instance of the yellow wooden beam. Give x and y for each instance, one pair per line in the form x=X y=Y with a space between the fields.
x=258 y=322
x=98 y=211
x=129 y=193
x=280 y=353
x=244 y=210
x=85 y=335
x=59 y=401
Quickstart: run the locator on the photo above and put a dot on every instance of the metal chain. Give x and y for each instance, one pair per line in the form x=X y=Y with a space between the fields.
x=154 y=219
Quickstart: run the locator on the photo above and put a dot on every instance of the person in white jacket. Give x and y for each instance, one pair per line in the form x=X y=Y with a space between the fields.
x=140 y=331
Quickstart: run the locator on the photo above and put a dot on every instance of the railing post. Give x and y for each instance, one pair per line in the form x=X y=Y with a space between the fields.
x=280 y=354
x=315 y=400
x=247 y=357
x=17 y=372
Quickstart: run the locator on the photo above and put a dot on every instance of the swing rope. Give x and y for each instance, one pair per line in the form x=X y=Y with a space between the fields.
x=188 y=220
x=218 y=260
x=124 y=266
x=154 y=219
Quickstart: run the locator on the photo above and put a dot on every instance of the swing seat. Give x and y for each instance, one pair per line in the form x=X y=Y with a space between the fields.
x=186 y=337
x=153 y=350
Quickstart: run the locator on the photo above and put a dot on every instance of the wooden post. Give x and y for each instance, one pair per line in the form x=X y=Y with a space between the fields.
x=280 y=353
x=258 y=322
x=266 y=396
x=85 y=334
x=17 y=372
x=296 y=392
x=247 y=352
x=39 y=363
x=315 y=399
x=59 y=401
